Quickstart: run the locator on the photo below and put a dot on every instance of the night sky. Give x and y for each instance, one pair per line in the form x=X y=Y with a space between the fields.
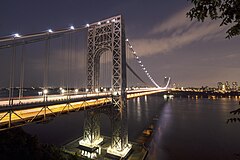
x=192 y=53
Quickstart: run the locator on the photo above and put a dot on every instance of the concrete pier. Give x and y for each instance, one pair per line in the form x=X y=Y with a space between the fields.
x=138 y=152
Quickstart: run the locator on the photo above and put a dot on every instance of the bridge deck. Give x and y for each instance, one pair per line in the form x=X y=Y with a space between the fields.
x=35 y=109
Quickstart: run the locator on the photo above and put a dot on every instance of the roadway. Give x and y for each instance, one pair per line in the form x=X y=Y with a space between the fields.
x=32 y=108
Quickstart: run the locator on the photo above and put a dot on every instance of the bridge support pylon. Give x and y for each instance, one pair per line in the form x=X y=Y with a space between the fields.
x=108 y=35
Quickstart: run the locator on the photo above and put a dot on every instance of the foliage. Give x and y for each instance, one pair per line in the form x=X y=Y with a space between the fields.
x=16 y=144
x=228 y=11
x=234 y=119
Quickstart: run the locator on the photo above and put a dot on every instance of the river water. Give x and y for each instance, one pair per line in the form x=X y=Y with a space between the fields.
x=186 y=128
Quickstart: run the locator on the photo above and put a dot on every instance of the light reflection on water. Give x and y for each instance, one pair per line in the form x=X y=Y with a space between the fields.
x=186 y=128
x=196 y=129
x=70 y=126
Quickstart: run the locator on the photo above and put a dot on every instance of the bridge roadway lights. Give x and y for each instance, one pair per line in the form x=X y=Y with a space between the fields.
x=90 y=150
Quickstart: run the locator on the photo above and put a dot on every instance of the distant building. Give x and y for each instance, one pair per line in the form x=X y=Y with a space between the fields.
x=227 y=86
x=220 y=86
x=234 y=86
x=174 y=85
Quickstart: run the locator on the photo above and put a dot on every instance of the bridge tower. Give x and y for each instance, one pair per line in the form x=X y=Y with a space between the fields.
x=108 y=35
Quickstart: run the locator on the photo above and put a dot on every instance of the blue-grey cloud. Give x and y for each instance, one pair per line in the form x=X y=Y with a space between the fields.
x=176 y=32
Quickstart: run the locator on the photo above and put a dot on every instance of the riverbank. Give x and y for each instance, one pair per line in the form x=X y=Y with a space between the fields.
x=204 y=94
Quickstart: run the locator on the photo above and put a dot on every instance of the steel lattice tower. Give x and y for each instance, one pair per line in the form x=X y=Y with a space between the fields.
x=108 y=35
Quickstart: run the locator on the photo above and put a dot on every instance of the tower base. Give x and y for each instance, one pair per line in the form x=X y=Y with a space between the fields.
x=90 y=150
x=122 y=154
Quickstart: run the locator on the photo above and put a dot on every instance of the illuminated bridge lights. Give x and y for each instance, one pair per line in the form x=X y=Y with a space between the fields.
x=16 y=35
x=63 y=91
x=76 y=90
x=45 y=91
x=50 y=31
x=140 y=63
x=93 y=150
x=71 y=27
x=119 y=153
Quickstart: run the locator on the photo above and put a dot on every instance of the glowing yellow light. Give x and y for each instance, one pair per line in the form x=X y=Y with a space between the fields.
x=45 y=91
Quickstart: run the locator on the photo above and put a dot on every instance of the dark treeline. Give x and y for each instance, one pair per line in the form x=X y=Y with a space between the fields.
x=16 y=144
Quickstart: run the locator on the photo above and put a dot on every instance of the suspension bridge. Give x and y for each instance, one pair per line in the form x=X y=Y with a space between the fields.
x=92 y=68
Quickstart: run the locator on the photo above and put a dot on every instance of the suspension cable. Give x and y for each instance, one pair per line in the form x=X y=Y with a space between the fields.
x=12 y=73
x=46 y=64
x=76 y=61
x=21 y=74
x=136 y=75
x=140 y=63
x=68 y=61
x=63 y=62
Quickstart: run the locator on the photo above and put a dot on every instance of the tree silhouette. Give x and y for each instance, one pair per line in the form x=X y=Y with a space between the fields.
x=234 y=119
x=228 y=11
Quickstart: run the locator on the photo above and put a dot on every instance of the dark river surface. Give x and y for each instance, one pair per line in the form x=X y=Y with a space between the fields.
x=187 y=129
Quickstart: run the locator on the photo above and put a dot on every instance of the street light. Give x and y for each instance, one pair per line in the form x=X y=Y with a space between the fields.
x=50 y=31
x=45 y=91
x=16 y=35
x=72 y=28
x=96 y=90
x=76 y=90
x=63 y=91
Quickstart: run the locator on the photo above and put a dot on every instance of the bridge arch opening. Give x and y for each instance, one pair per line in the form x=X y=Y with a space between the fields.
x=103 y=70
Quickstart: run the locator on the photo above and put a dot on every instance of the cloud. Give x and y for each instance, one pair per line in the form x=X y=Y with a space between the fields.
x=176 y=32
x=173 y=22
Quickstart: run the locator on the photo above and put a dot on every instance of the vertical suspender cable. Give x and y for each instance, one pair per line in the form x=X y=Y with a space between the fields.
x=63 y=60
x=85 y=52
x=127 y=63
x=68 y=60
x=46 y=66
x=11 y=84
x=71 y=79
x=21 y=74
x=68 y=64
x=46 y=63
x=76 y=61
x=48 y=55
